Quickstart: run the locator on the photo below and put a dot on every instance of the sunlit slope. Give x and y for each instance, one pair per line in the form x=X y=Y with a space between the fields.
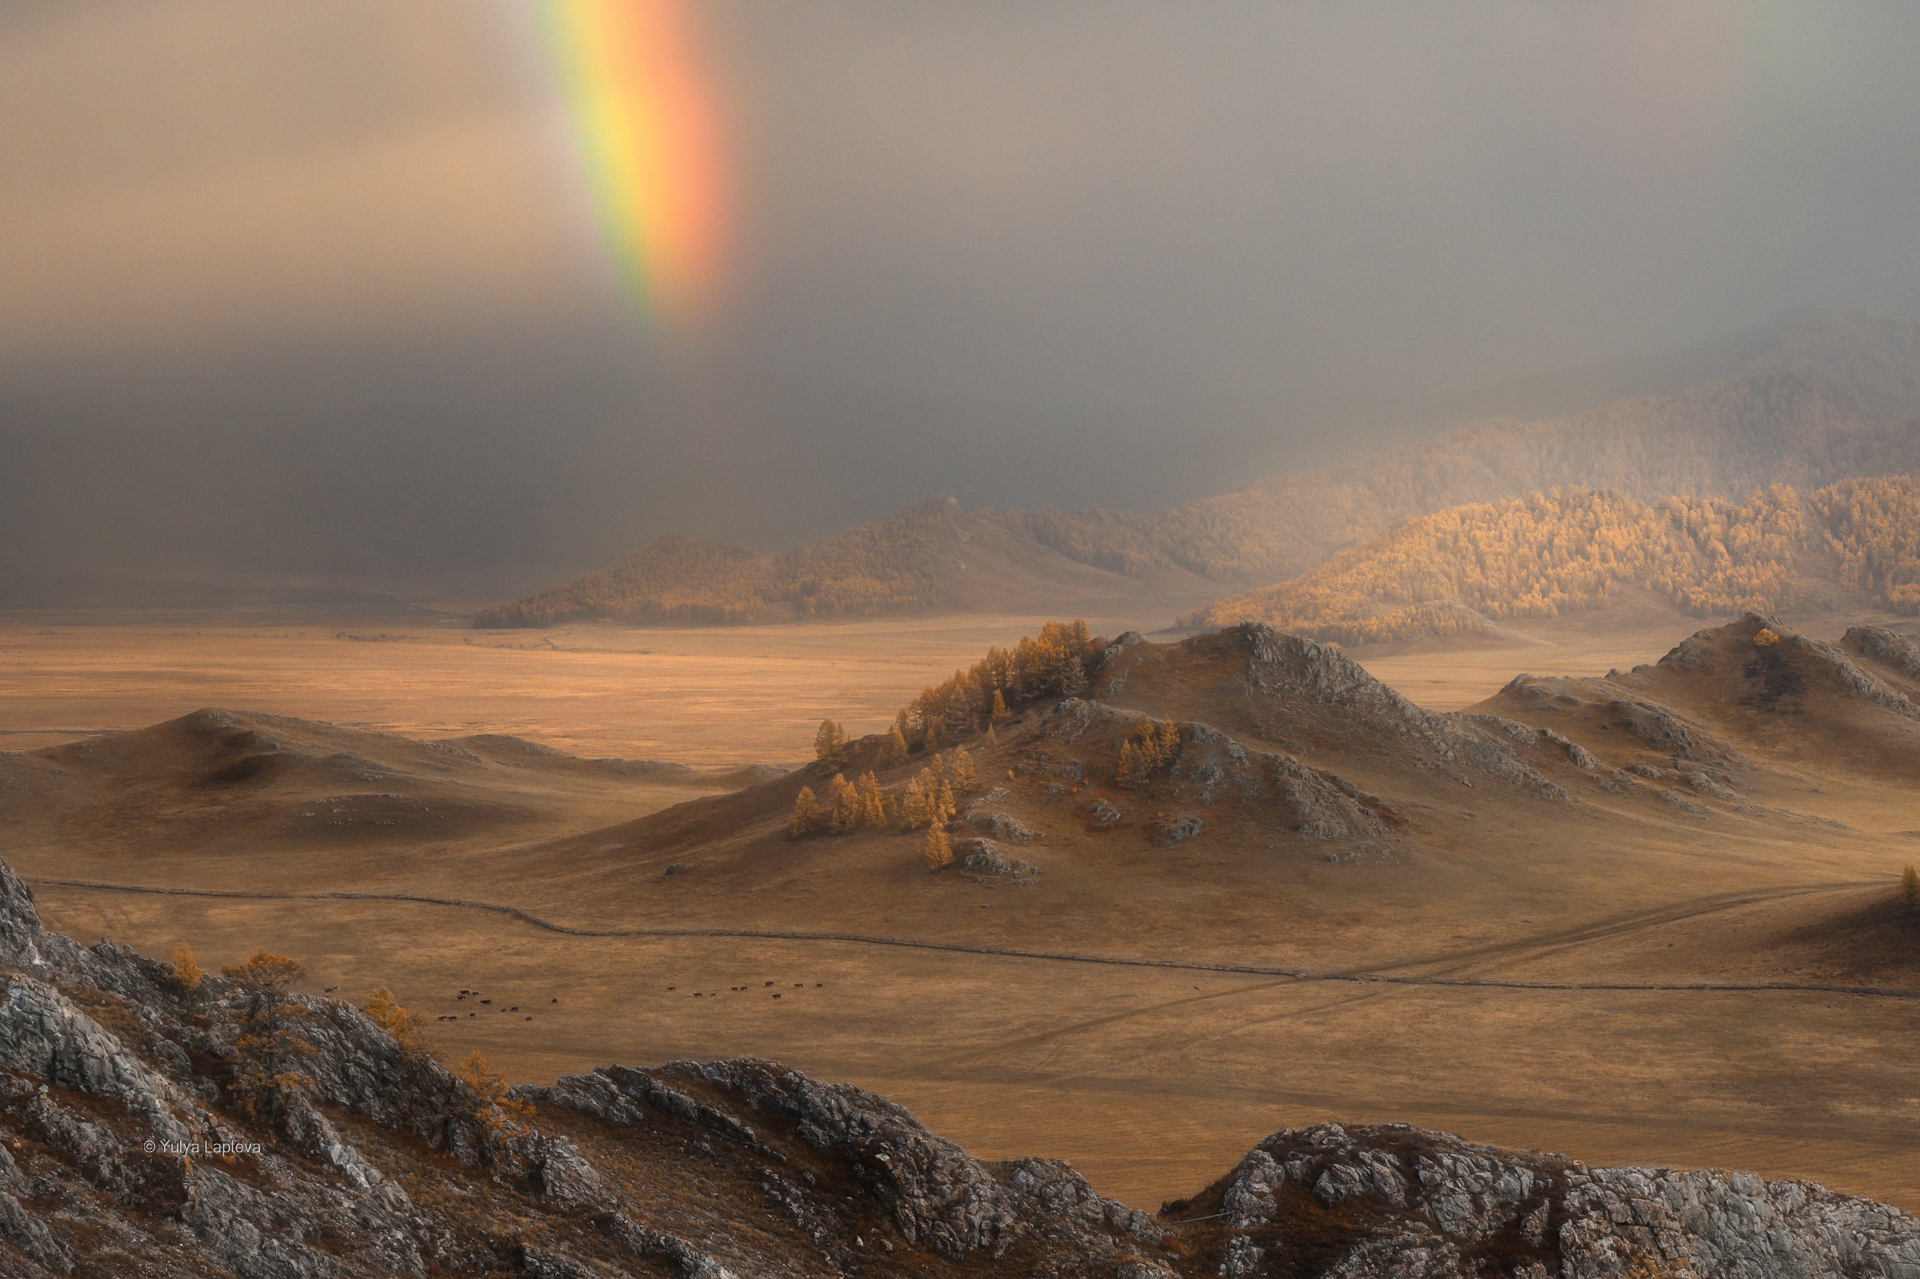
x=1853 y=543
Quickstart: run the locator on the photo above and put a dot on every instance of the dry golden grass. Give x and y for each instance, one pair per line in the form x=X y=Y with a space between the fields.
x=1152 y=1080
x=703 y=696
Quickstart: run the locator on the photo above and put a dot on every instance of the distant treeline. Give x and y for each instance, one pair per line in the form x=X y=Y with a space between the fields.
x=1571 y=550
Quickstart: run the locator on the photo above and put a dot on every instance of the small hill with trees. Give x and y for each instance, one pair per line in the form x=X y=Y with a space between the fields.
x=1574 y=550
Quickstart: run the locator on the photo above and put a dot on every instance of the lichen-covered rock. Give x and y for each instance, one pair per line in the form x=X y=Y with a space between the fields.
x=1415 y=1203
x=987 y=860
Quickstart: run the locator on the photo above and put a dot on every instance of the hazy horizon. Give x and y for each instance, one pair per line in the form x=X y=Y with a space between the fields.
x=318 y=289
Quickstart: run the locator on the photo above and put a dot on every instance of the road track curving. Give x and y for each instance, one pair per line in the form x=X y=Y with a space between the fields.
x=1383 y=975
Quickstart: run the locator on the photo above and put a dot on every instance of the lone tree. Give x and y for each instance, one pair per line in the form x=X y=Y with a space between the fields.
x=185 y=971
x=404 y=1026
x=493 y=1110
x=270 y=1046
x=828 y=739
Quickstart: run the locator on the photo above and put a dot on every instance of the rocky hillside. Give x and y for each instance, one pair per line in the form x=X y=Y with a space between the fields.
x=152 y=1128
x=1571 y=551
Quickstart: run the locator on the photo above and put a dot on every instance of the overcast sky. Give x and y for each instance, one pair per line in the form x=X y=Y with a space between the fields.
x=316 y=285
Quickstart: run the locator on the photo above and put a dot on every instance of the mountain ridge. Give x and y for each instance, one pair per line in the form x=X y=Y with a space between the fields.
x=1807 y=405
x=1855 y=543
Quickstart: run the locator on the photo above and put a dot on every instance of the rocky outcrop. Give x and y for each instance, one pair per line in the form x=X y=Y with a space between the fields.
x=1878 y=644
x=987 y=862
x=1411 y=1204
x=1779 y=667
x=1211 y=768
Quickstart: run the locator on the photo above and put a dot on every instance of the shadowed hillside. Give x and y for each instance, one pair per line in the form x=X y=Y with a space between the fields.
x=934 y=557
x=1574 y=550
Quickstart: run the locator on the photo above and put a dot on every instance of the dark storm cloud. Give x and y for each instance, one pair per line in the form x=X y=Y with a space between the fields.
x=322 y=271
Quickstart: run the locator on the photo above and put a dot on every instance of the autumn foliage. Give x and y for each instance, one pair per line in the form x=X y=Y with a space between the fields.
x=270 y=1048
x=1053 y=664
x=1577 y=549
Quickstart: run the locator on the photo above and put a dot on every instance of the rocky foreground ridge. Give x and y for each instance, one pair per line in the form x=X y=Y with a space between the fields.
x=143 y=1131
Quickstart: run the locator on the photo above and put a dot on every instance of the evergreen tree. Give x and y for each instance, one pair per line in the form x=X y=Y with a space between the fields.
x=828 y=739
x=843 y=806
x=914 y=810
x=270 y=1046
x=999 y=711
x=1131 y=770
x=185 y=971
x=894 y=749
x=938 y=849
x=873 y=805
x=962 y=770
x=1166 y=744
x=806 y=814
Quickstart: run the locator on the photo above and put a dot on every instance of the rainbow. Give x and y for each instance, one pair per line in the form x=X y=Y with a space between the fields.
x=648 y=143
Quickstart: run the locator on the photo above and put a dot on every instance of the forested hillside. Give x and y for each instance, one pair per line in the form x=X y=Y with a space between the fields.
x=1572 y=550
x=1817 y=403
x=1807 y=407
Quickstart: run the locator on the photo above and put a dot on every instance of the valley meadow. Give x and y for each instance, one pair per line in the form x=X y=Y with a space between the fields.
x=1739 y=993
